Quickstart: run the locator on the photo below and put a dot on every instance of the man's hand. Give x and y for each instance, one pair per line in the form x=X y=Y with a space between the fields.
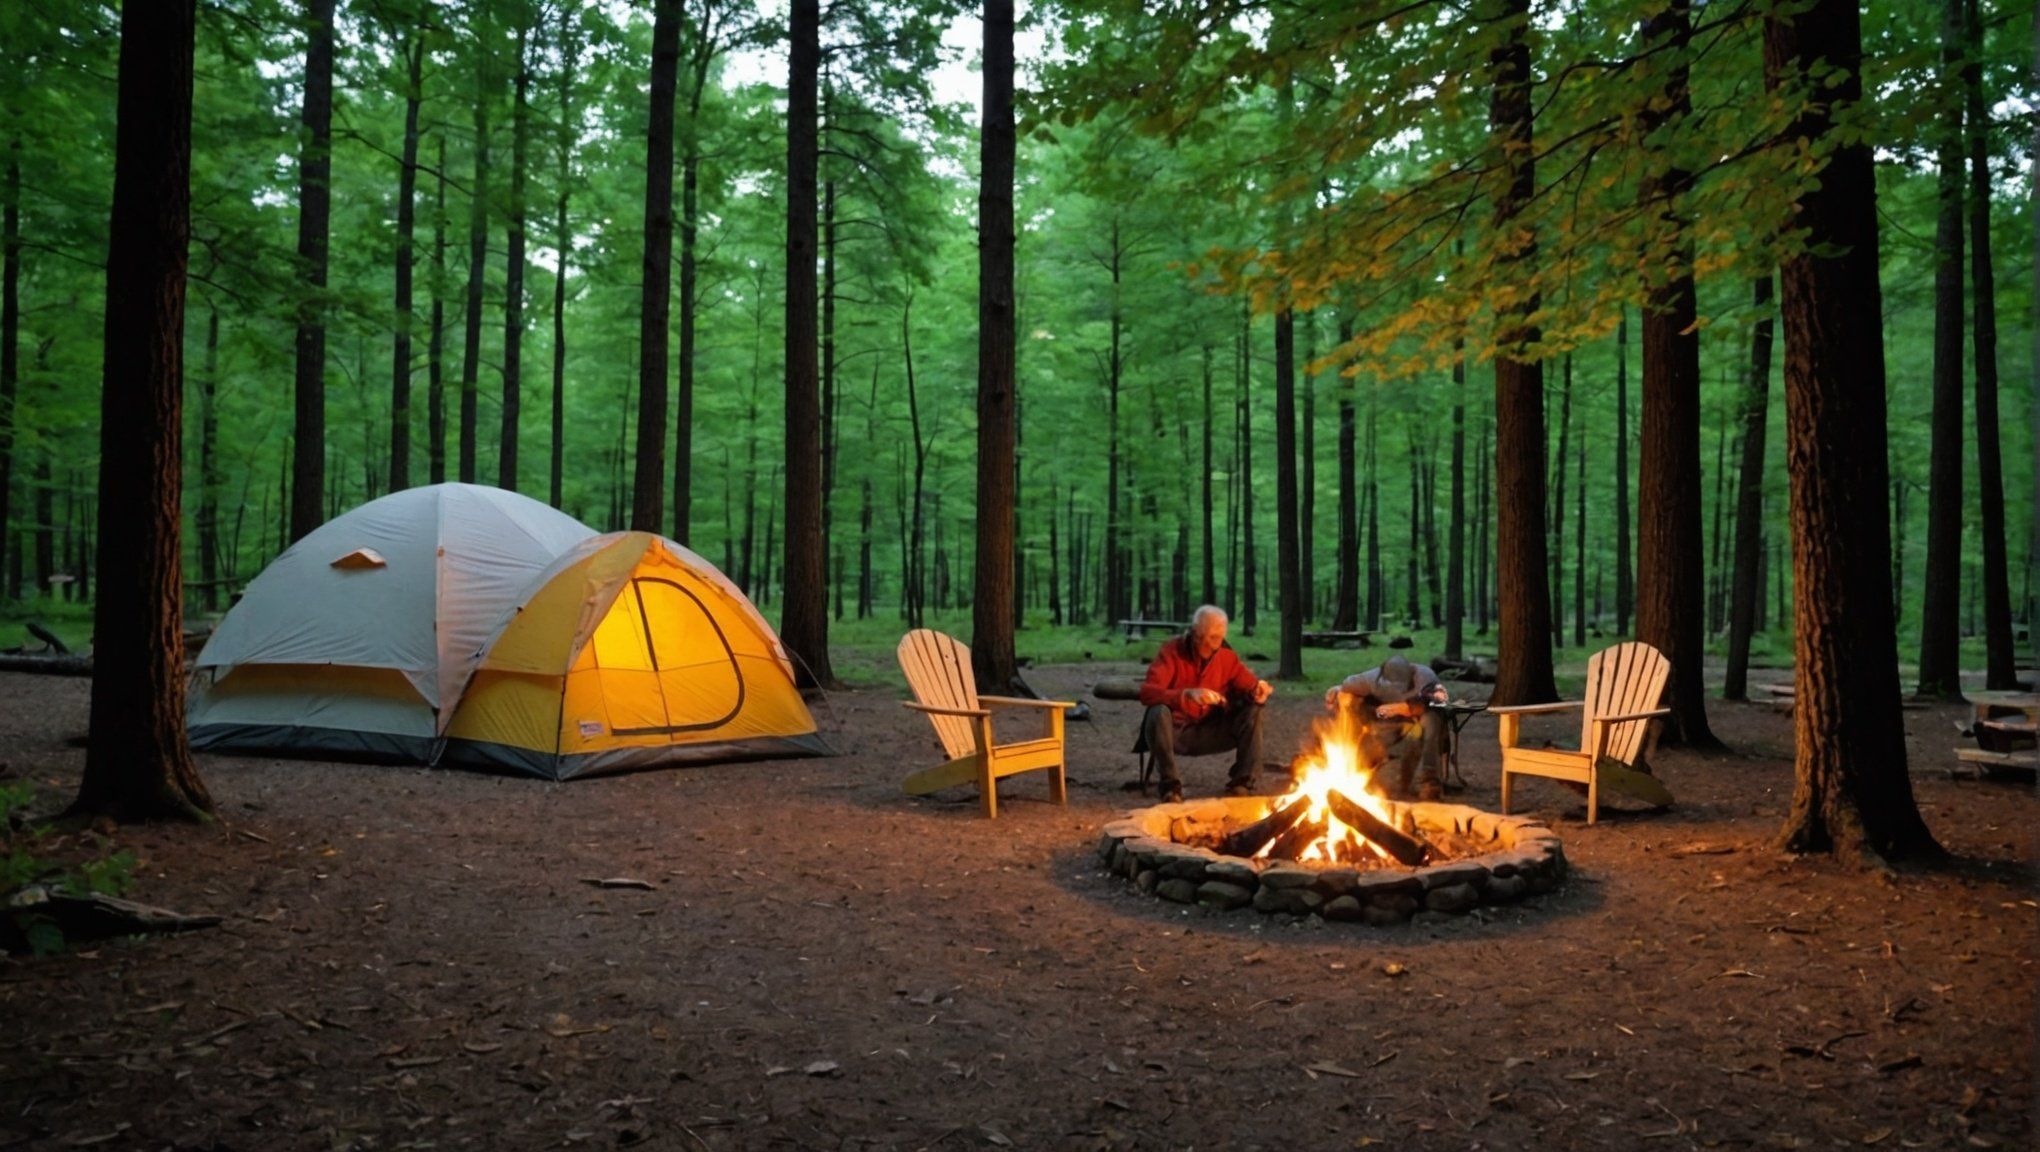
x=1263 y=690
x=1404 y=711
x=1204 y=696
x=1332 y=698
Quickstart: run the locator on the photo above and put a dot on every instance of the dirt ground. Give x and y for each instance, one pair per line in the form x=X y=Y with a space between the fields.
x=414 y=959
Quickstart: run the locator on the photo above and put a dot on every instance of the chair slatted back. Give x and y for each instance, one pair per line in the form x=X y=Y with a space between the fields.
x=1623 y=680
x=938 y=669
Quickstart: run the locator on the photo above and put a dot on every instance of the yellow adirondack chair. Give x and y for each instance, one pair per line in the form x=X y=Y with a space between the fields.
x=938 y=669
x=1618 y=729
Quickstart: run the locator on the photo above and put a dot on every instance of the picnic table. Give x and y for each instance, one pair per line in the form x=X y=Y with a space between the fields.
x=2006 y=726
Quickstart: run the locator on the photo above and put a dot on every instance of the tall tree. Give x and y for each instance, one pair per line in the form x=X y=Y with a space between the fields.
x=1558 y=463
x=478 y=254
x=1671 y=609
x=1210 y=594
x=407 y=215
x=513 y=264
x=2001 y=662
x=1524 y=674
x=138 y=765
x=315 y=209
x=435 y=341
x=1288 y=543
x=563 y=245
x=1625 y=588
x=804 y=618
x=10 y=347
x=1940 y=607
x=1852 y=794
x=1749 y=501
x=1455 y=549
x=991 y=643
x=648 y=477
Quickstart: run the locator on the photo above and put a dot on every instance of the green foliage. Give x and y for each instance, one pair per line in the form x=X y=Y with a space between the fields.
x=23 y=863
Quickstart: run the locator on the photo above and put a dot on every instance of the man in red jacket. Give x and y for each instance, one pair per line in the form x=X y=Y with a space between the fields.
x=1201 y=700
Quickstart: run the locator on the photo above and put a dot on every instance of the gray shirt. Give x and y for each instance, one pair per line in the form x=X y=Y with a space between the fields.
x=1371 y=692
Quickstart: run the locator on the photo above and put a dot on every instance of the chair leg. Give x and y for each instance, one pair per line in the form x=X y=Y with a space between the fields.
x=1058 y=785
x=988 y=784
x=1506 y=789
x=1593 y=794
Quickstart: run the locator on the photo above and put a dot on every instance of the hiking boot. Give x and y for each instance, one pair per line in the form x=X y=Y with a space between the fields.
x=1429 y=790
x=1168 y=792
x=1239 y=788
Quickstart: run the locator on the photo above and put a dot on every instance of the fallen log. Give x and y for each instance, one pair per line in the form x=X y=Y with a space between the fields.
x=85 y=916
x=1247 y=841
x=1408 y=850
x=72 y=665
x=1117 y=688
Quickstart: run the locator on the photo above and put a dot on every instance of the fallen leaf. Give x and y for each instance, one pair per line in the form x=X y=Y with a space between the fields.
x=1115 y=1102
x=415 y=1062
x=995 y=1136
x=1910 y=1060
x=1877 y=1137
x=823 y=1068
x=480 y=1048
x=1393 y=969
x=617 y=882
x=1331 y=1069
x=777 y=1070
x=1581 y=1075
x=1703 y=848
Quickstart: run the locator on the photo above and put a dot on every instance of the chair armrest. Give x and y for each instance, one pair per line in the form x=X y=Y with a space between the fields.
x=1534 y=709
x=1626 y=717
x=1023 y=702
x=934 y=711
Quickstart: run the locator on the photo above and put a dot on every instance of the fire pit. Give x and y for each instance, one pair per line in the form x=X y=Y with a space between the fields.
x=1332 y=846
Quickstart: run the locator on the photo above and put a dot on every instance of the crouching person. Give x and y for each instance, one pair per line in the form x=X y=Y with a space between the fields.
x=1201 y=700
x=1393 y=704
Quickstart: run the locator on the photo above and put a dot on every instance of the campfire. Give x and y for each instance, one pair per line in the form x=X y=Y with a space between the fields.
x=1332 y=814
x=1334 y=847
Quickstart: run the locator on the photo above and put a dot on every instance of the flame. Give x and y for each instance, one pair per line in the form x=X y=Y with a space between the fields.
x=1337 y=765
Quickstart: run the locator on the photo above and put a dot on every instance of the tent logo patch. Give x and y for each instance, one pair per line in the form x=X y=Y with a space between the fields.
x=591 y=728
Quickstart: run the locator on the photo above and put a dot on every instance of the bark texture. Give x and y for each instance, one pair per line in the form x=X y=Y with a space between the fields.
x=991 y=642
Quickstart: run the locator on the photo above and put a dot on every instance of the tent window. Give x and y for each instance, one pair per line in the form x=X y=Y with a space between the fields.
x=718 y=652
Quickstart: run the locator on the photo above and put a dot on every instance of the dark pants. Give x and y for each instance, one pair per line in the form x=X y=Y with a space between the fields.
x=1409 y=742
x=1236 y=726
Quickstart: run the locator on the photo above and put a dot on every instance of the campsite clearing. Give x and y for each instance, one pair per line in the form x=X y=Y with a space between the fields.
x=412 y=956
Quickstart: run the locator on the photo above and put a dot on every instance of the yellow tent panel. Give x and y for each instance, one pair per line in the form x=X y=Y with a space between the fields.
x=632 y=651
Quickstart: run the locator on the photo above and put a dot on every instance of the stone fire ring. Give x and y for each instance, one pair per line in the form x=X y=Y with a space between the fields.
x=1526 y=859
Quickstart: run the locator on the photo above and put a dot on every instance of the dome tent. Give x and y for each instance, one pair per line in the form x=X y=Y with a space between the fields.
x=630 y=651
x=366 y=639
x=358 y=639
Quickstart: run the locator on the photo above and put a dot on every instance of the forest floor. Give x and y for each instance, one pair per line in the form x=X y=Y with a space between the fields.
x=415 y=959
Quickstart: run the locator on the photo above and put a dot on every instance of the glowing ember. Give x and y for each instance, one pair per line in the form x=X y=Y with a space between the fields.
x=1336 y=766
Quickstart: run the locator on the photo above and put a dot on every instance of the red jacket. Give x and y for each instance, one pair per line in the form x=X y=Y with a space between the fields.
x=1177 y=667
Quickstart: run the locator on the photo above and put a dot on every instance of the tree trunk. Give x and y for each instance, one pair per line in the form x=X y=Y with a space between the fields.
x=513 y=275
x=407 y=215
x=2001 y=661
x=1671 y=563
x=1625 y=584
x=435 y=364
x=138 y=765
x=563 y=244
x=1346 y=601
x=1483 y=495
x=648 y=474
x=1250 y=591
x=315 y=206
x=1852 y=794
x=1288 y=542
x=1749 y=503
x=690 y=231
x=1717 y=588
x=991 y=631
x=10 y=356
x=916 y=587
x=804 y=621
x=1558 y=464
x=1411 y=608
x=1522 y=571
x=1307 y=462
x=1455 y=548
x=1579 y=568
x=1941 y=573
x=1372 y=620
x=478 y=256
x=207 y=522
x=1210 y=544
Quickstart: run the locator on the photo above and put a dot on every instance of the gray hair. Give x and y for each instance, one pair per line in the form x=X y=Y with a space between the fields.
x=1206 y=612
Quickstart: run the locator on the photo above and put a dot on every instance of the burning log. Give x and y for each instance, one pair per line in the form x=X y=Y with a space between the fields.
x=1247 y=841
x=1408 y=850
x=1290 y=845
